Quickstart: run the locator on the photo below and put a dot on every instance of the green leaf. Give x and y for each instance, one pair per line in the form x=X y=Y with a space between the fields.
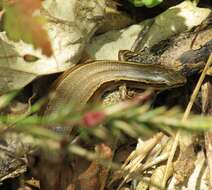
x=20 y=23
x=147 y=3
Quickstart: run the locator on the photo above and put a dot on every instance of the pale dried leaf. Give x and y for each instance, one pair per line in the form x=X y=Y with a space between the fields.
x=173 y=21
x=69 y=30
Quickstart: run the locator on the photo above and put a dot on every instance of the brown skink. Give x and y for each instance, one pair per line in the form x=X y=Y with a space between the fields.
x=81 y=83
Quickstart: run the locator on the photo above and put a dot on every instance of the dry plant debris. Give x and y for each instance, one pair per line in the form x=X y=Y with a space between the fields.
x=153 y=129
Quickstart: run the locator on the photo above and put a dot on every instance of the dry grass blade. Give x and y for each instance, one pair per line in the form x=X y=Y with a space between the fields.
x=133 y=162
x=185 y=116
x=208 y=141
x=197 y=88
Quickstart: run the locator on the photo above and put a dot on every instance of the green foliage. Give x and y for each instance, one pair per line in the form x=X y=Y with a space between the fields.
x=147 y=3
x=127 y=117
x=21 y=23
x=6 y=99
